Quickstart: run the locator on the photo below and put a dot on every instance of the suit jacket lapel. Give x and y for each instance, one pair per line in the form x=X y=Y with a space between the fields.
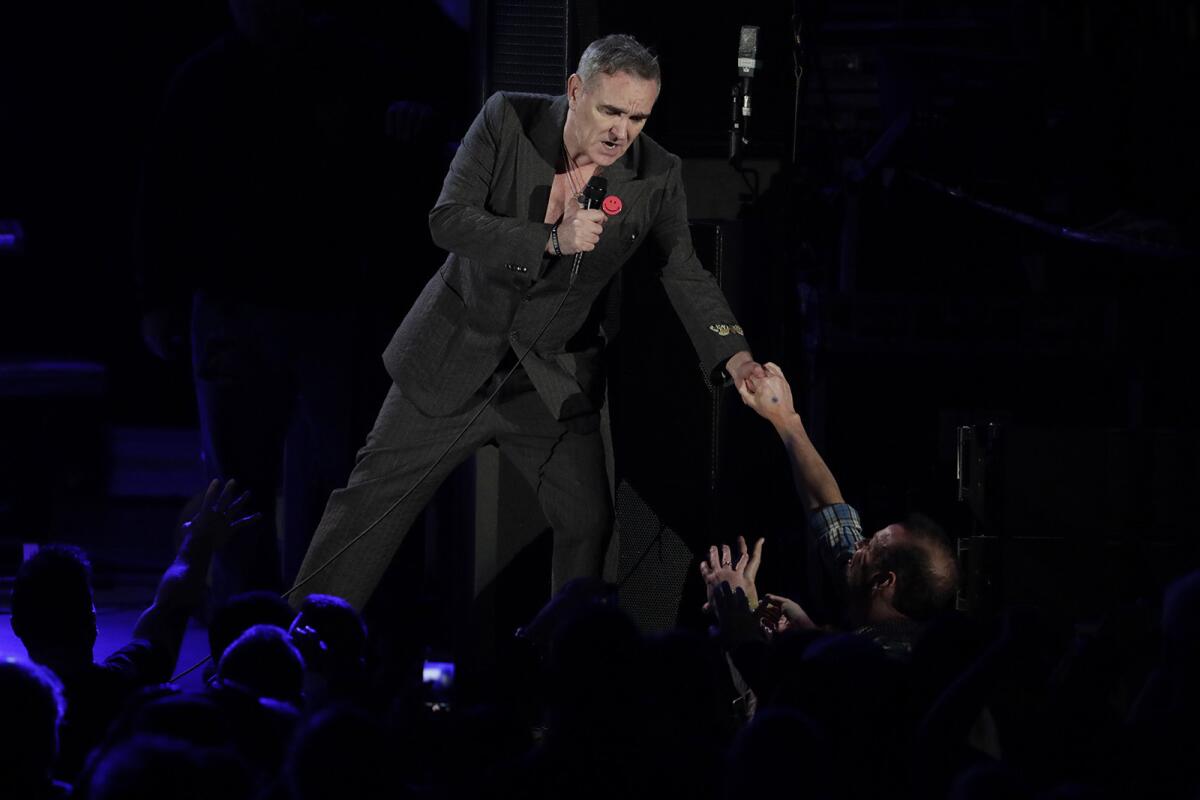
x=545 y=134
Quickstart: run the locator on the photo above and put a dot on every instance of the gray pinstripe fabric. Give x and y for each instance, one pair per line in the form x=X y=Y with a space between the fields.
x=497 y=289
x=494 y=293
x=564 y=463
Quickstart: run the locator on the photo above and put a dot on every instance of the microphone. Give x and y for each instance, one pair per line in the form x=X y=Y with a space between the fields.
x=747 y=66
x=595 y=192
x=747 y=62
x=592 y=196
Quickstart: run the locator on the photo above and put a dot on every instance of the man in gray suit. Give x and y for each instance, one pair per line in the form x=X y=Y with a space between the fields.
x=504 y=343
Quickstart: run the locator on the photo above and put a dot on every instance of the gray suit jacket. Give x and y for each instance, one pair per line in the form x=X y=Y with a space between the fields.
x=498 y=289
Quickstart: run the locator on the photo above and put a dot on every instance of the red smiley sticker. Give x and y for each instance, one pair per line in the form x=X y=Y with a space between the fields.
x=612 y=205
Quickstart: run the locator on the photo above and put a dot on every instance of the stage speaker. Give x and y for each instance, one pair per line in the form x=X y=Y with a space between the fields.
x=1079 y=483
x=534 y=46
x=1075 y=521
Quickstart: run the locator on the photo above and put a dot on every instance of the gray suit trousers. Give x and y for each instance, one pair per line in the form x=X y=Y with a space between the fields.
x=562 y=461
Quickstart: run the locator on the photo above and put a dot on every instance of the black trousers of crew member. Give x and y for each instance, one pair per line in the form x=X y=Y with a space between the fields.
x=562 y=461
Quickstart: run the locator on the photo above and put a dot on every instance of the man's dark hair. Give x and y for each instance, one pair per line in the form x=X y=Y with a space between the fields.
x=333 y=623
x=264 y=661
x=32 y=699
x=155 y=766
x=926 y=571
x=52 y=595
x=618 y=53
x=241 y=613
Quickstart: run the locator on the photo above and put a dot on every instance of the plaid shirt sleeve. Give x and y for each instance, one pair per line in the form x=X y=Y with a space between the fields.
x=838 y=531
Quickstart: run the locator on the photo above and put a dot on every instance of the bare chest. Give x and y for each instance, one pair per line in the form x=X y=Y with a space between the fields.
x=562 y=191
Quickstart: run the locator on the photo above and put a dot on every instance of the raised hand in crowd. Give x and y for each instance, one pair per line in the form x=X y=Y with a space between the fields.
x=221 y=514
x=737 y=622
x=740 y=574
x=780 y=614
x=181 y=589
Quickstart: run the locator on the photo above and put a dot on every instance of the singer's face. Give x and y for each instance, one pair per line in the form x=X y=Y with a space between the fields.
x=605 y=115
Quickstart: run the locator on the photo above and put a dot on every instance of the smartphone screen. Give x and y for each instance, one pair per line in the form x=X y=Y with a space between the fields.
x=438 y=679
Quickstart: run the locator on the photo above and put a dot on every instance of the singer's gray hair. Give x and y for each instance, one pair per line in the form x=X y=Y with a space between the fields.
x=619 y=53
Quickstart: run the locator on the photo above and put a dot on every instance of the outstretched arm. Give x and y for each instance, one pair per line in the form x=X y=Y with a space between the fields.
x=771 y=399
x=181 y=588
